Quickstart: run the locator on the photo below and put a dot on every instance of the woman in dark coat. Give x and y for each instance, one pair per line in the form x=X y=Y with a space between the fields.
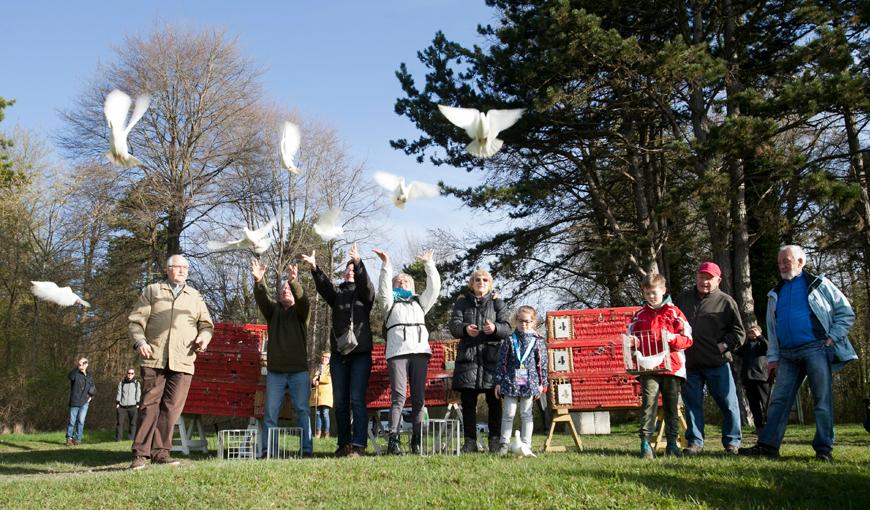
x=351 y=302
x=480 y=321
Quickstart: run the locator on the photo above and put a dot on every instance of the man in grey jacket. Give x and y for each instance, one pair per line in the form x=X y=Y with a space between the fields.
x=127 y=404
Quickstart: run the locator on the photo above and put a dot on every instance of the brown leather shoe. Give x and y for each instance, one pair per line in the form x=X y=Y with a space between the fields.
x=69 y=441
x=166 y=460
x=138 y=463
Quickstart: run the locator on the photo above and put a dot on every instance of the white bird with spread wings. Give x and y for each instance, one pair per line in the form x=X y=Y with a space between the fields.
x=482 y=128
x=291 y=139
x=258 y=241
x=63 y=296
x=403 y=192
x=328 y=225
x=116 y=107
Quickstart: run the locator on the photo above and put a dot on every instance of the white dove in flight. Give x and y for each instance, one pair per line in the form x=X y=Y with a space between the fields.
x=63 y=296
x=116 y=107
x=403 y=192
x=482 y=128
x=519 y=448
x=328 y=225
x=258 y=241
x=290 y=141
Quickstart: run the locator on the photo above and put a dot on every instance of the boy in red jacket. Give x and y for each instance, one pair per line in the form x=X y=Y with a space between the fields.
x=658 y=319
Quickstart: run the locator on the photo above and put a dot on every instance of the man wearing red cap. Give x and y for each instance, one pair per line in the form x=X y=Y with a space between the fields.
x=717 y=330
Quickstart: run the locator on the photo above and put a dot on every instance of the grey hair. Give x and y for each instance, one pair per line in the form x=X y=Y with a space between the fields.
x=177 y=255
x=795 y=250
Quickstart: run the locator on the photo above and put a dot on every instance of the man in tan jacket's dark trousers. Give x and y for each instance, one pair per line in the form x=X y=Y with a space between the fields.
x=168 y=326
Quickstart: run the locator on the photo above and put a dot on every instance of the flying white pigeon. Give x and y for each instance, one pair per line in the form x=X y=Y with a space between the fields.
x=290 y=141
x=650 y=362
x=519 y=448
x=482 y=128
x=402 y=192
x=116 y=107
x=257 y=241
x=328 y=226
x=63 y=296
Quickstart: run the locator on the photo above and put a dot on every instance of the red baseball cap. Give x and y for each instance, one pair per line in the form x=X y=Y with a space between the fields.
x=710 y=268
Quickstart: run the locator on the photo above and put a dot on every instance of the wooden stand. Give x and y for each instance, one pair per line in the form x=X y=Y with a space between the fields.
x=562 y=416
x=660 y=442
x=186 y=441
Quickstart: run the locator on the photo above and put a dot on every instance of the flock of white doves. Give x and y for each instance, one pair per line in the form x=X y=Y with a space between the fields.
x=482 y=128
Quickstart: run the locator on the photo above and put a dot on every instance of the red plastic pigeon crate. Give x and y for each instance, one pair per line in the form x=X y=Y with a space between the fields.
x=226 y=378
x=587 y=370
x=437 y=378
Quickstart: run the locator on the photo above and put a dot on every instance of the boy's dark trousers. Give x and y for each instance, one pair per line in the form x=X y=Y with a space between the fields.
x=669 y=386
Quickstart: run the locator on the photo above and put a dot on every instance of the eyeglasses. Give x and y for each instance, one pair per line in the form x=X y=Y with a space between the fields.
x=530 y=321
x=481 y=279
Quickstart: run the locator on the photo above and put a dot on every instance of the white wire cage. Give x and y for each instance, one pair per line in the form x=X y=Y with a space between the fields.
x=284 y=442
x=440 y=437
x=237 y=444
x=646 y=352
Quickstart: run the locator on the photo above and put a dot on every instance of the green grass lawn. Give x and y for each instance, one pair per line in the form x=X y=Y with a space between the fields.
x=38 y=471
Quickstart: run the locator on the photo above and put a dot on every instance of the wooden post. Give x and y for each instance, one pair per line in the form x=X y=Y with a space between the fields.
x=562 y=416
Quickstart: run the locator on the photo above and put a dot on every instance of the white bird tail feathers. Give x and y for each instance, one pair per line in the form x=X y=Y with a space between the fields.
x=63 y=296
x=291 y=139
x=328 y=225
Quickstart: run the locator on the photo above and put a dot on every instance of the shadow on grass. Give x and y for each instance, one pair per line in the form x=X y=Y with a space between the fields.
x=761 y=483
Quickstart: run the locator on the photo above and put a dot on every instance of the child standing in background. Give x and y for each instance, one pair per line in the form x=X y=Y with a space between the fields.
x=521 y=377
x=321 y=397
x=656 y=318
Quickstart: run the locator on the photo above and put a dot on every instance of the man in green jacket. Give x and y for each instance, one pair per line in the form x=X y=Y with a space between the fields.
x=286 y=352
x=168 y=326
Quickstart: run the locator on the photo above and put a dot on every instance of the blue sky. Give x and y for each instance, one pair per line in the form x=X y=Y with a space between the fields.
x=333 y=61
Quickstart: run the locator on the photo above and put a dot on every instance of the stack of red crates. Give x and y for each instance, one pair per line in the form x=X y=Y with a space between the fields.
x=597 y=374
x=437 y=381
x=227 y=376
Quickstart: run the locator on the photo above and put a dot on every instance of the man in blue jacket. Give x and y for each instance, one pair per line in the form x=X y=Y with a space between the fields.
x=808 y=319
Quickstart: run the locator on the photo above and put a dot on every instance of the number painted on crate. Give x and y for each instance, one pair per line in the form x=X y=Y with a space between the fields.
x=562 y=327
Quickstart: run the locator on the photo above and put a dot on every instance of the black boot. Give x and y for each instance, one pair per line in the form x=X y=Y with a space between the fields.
x=394 y=446
x=416 y=436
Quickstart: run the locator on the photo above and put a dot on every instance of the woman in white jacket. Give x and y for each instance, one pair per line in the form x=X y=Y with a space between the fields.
x=407 y=350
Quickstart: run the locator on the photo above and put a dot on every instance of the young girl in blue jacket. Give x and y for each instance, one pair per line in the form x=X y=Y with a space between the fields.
x=522 y=375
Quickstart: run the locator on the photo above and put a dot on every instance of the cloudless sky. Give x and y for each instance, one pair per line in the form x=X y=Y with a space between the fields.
x=333 y=61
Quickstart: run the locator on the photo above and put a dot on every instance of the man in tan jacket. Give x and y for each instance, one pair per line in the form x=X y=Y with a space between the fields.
x=168 y=326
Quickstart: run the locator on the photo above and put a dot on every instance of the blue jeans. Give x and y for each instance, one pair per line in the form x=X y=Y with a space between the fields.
x=298 y=385
x=350 y=379
x=321 y=419
x=76 y=426
x=813 y=361
x=720 y=385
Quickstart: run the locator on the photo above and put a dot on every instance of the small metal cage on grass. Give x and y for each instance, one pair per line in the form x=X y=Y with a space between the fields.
x=646 y=352
x=237 y=444
x=440 y=437
x=284 y=442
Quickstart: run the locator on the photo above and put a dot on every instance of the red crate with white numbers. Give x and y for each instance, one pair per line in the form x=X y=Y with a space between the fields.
x=587 y=372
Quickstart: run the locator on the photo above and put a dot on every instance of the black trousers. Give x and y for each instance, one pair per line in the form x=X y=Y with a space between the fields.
x=469 y=413
x=130 y=413
x=758 y=394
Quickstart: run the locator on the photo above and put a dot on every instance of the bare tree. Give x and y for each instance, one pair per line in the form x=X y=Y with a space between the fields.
x=202 y=127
